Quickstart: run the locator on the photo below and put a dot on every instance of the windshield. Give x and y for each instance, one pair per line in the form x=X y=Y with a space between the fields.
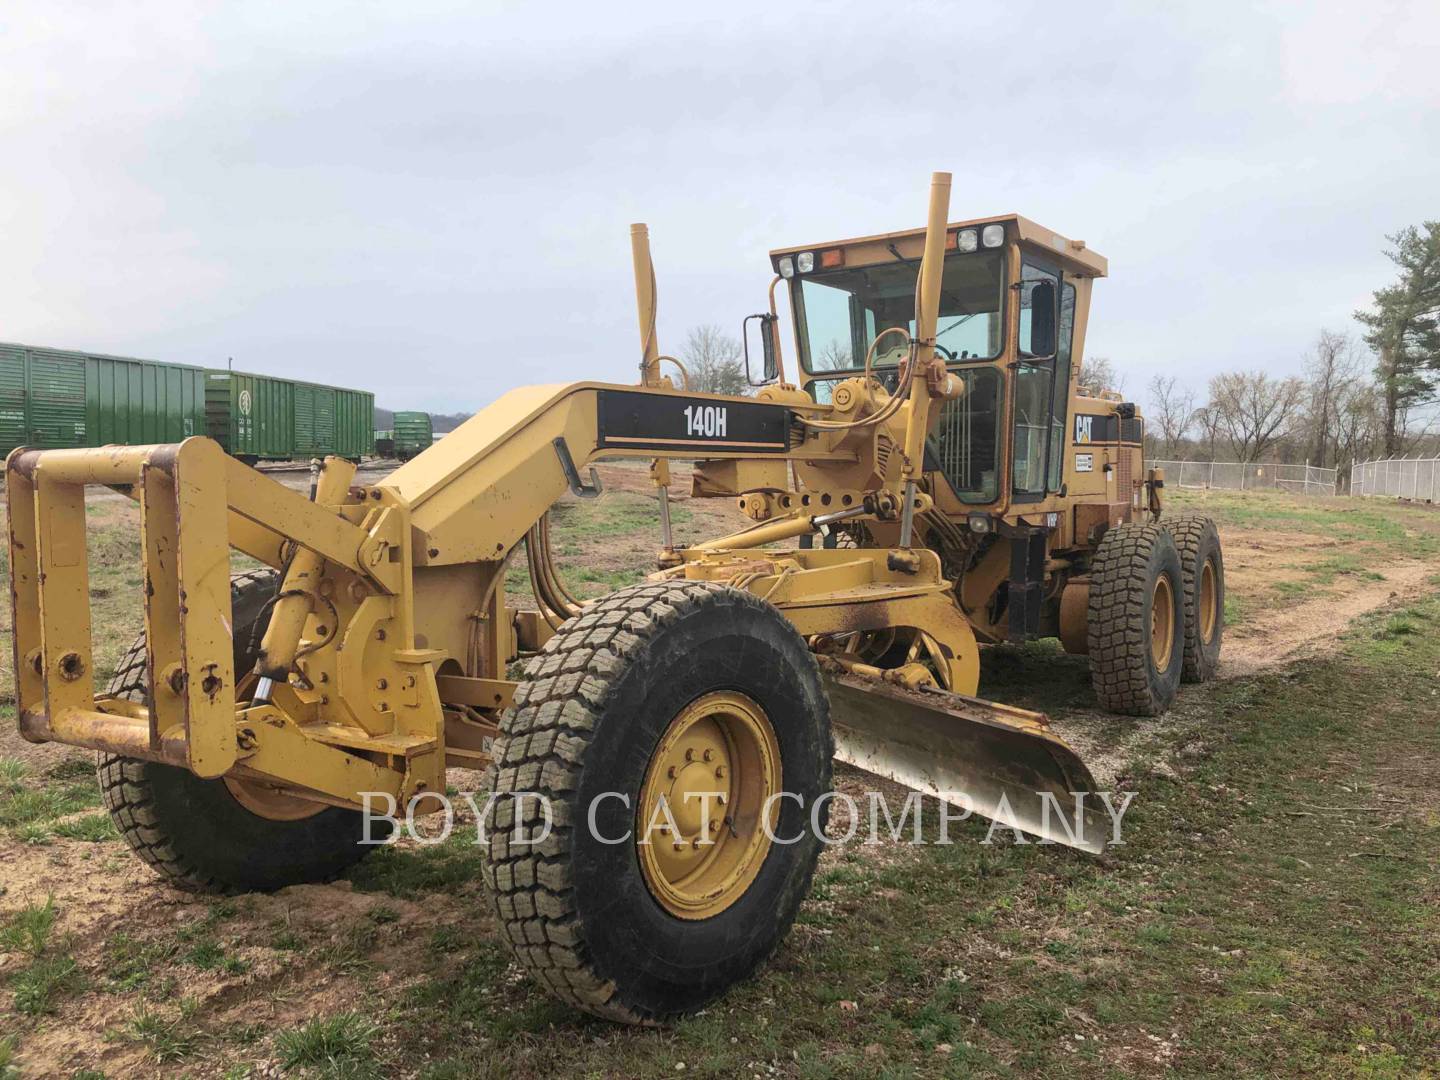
x=841 y=311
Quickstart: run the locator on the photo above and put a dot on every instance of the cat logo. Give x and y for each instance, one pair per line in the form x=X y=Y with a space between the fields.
x=1082 y=428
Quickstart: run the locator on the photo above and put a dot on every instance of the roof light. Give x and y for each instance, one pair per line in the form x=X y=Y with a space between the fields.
x=805 y=262
x=787 y=267
x=969 y=240
x=993 y=236
x=832 y=258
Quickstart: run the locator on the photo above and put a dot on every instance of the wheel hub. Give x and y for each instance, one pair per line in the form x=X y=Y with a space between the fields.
x=700 y=833
x=1209 y=607
x=271 y=803
x=1162 y=623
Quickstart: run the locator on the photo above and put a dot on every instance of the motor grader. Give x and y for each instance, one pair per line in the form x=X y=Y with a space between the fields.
x=931 y=481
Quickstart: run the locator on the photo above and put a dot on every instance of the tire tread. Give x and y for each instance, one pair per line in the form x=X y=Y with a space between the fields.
x=541 y=747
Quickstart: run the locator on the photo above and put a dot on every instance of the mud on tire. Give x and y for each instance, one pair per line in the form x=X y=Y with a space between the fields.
x=577 y=911
x=1125 y=581
x=1198 y=542
x=194 y=832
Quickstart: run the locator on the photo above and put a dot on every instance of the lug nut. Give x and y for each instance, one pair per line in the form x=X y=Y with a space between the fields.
x=689 y=755
x=381 y=684
x=709 y=754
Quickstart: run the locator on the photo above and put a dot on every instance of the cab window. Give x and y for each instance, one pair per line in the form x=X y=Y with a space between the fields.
x=841 y=311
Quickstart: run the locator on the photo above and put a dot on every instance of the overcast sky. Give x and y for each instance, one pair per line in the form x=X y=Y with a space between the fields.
x=431 y=200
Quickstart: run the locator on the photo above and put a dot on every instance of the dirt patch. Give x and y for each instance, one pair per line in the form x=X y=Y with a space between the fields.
x=303 y=952
x=1288 y=631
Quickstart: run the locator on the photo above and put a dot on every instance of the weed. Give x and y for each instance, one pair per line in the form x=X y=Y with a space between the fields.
x=47 y=978
x=12 y=771
x=407 y=872
x=206 y=954
x=8 y=1069
x=28 y=930
x=339 y=1044
x=287 y=941
x=131 y=963
x=165 y=1039
x=93 y=828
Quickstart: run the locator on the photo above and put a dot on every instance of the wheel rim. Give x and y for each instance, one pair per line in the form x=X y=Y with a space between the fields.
x=1209 y=603
x=271 y=803
x=722 y=742
x=1162 y=623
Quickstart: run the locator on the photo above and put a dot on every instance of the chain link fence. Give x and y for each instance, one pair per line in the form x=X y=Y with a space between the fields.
x=1253 y=476
x=1403 y=478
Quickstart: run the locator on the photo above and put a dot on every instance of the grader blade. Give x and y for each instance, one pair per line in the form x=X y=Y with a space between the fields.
x=1001 y=762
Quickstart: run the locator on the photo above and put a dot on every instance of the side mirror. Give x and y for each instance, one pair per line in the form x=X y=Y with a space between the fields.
x=770 y=363
x=1044 y=312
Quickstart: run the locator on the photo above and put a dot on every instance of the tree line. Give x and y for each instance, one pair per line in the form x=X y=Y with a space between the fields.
x=1363 y=394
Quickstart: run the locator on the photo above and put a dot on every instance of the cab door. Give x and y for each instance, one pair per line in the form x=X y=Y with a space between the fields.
x=1042 y=380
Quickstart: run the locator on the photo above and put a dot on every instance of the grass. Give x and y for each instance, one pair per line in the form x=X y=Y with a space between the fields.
x=28 y=930
x=8 y=1069
x=165 y=1038
x=50 y=972
x=1243 y=929
x=47 y=978
x=336 y=1046
x=92 y=828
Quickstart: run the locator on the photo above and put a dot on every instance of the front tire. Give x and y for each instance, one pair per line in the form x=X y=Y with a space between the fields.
x=655 y=688
x=1136 y=620
x=223 y=836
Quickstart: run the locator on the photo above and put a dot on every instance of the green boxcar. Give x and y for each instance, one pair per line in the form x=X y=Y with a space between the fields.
x=413 y=434
x=261 y=418
x=251 y=416
x=53 y=398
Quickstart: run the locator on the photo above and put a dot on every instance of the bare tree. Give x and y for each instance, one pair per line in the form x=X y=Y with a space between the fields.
x=1172 y=410
x=1098 y=374
x=712 y=361
x=1333 y=367
x=836 y=356
x=1359 y=423
x=1255 y=411
x=1207 y=420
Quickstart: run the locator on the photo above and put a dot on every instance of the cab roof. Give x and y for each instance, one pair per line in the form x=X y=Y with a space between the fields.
x=1073 y=255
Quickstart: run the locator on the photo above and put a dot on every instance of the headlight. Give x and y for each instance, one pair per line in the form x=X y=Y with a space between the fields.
x=787 y=267
x=979 y=523
x=805 y=262
x=968 y=240
x=993 y=236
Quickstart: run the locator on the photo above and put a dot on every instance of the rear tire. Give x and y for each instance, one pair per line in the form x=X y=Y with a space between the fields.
x=591 y=728
x=1203 y=569
x=1136 y=620
x=196 y=833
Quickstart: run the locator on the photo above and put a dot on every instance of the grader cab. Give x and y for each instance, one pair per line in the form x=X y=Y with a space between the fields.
x=932 y=480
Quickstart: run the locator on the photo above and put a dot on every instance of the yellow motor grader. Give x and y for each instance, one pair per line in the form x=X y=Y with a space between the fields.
x=931 y=481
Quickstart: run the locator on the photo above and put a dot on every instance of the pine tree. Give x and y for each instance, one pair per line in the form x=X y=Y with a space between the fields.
x=1404 y=329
